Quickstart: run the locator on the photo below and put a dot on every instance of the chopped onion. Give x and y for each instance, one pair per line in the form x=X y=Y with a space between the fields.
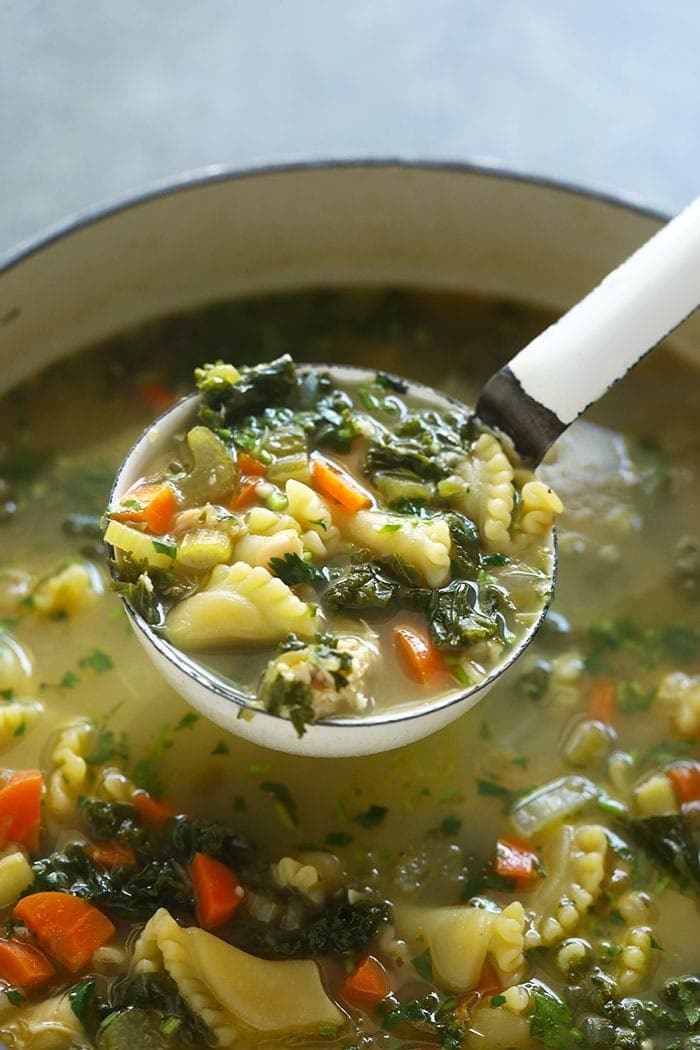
x=553 y=802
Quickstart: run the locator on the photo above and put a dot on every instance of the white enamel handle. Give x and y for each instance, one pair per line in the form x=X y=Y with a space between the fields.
x=573 y=362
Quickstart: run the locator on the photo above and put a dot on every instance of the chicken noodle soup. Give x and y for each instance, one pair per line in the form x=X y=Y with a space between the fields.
x=528 y=877
x=345 y=545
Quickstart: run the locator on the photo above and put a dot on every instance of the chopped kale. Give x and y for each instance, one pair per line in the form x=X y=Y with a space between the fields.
x=292 y=700
x=293 y=570
x=389 y=382
x=552 y=1021
x=650 y=646
x=426 y=445
x=340 y=928
x=466 y=557
x=432 y=1016
x=533 y=684
x=186 y=836
x=371 y=817
x=362 y=587
x=456 y=618
x=148 y=591
x=81 y=998
x=226 y=401
x=113 y=822
x=147 y=995
x=672 y=842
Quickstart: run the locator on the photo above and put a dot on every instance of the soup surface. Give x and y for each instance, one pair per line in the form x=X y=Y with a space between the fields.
x=347 y=543
x=528 y=877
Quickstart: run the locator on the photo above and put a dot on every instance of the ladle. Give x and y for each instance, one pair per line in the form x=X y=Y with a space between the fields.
x=531 y=401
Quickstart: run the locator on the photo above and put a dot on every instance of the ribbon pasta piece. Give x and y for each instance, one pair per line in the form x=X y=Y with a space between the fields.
x=69 y=770
x=230 y=991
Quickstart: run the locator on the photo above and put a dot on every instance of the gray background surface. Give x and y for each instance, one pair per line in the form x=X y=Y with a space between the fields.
x=99 y=99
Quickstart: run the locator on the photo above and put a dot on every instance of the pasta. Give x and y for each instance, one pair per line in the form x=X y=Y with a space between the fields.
x=239 y=603
x=490 y=494
x=16 y=716
x=425 y=545
x=15 y=874
x=230 y=990
x=679 y=695
x=69 y=591
x=69 y=771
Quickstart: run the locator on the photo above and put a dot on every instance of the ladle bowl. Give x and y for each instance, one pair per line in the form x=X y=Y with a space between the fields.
x=222 y=702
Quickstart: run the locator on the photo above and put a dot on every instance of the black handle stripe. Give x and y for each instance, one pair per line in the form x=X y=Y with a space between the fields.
x=531 y=426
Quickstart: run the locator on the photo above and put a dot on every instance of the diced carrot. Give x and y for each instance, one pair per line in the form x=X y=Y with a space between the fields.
x=333 y=482
x=515 y=860
x=111 y=854
x=251 y=466
x=67 y=927
x=24 y=965
x=20 y=807
x=217 y=891
x=154 y=504
x=601 y=702
x=685 y=777
x=150 y=809
x=157 y=397
x=489 y=980
x=245 y=495
x=367 y=984
x=422 y=660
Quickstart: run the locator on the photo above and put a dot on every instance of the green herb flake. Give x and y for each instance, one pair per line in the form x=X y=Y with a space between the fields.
x=327 y=1030
x=69 y=680
x=15 y=997
x=97 y=661
x=285 y=807
x=423 y=965
x=145 y=775
x=338 y=838
x=551 y=1020
x=496 y=1001
x=450 y=826
x=187 y=721
x=485 y=731
x=81 y=998
x=163 y=547
x=492 y=789
x=7 y=694
x=371 y=817
x=221 y=748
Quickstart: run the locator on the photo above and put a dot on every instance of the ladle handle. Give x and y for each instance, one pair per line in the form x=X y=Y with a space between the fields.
x=572 y=363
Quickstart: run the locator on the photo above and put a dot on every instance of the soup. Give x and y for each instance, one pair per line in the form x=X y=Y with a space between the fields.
x=346 y=543
x=527 y=877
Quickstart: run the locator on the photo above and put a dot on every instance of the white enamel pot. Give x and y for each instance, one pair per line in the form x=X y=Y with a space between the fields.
x=205 y=238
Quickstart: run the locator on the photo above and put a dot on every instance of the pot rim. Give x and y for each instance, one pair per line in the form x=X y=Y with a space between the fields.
x=213 y=174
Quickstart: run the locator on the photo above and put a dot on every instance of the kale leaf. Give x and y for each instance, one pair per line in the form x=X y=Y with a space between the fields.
x=432 y=1016
x=341 y=928
x=552 y=1021
x=426 y=445
x=466 y=554
x=671 y=841
x=146 y=995
x=362 y=587
x=292 y=700
x=456 y=618
x=225 y=402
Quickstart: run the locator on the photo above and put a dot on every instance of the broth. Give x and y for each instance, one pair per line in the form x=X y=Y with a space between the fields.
x=417 y=827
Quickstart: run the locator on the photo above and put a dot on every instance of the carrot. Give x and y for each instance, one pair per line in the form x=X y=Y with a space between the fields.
x=68 y=928
x=422 y=660
x=333 y=482
x=245 y=495
x=601 y=702
x=20 y=807
x=24 y=965
x=515 y=860
x=157 y=397
x=154 y=504
x=367 y=984
x=217 y=891
x=685 y=777
x=111 y=854
x=150 y=809
x=251 y=466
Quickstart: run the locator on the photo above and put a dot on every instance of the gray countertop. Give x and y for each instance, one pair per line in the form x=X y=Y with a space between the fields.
x=98 y=100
